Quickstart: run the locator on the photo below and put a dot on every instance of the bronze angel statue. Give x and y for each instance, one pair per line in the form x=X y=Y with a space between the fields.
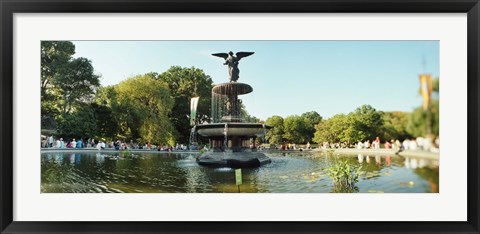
x=232 y=62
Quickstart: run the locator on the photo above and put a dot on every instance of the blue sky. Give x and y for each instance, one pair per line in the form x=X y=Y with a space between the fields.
x=288 y=77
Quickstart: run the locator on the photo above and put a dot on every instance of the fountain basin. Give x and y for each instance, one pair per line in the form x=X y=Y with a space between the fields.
x=233 y=129
x=233 y=160
x=232 y=88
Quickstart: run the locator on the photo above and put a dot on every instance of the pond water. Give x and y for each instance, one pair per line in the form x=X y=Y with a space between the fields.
x=95 y=172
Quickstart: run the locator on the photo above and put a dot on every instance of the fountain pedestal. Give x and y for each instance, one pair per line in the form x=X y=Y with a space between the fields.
x=232 y=144
x=232 y=141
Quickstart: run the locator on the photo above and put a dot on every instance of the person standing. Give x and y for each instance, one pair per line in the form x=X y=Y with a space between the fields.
x=360 y=145
x=62 y=143
x=376 y=143
x=387 y=145
x=50 y=141
x=44 y=142
x=79 y=143
x=367 y=144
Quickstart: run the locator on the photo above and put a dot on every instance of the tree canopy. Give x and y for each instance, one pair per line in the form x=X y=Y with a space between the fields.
x=293 y=129
x=185 y=83
x=275 y=135
x=395 y=125
x=417 y=121
x=78 y=124
x=296 y=129
x=338 y=128
x=362 y=124
x=311 y=119
x=66 y=82
x=142 y=105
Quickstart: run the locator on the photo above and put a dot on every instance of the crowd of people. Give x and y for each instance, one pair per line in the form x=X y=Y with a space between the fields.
x=60 y=143
x=419 y=143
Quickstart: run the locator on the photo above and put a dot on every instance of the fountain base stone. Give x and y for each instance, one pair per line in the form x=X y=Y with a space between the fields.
x=233 y=159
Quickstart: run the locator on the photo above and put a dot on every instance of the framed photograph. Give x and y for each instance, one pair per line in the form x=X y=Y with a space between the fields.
x=239 y=117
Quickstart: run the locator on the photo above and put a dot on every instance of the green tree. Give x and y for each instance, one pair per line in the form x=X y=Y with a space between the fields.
x=417 y=121
x=368 y=123
x=185 y=83
x=247 y=117
x=436 y=85
x=54 y=55
x=80 y=123
x=76 y=82
x=353 y=133
x=275 y=135
x=107 y=125
x=106 y=96
x=395 y=125
x=65 y=82
x=106 y=108
x=362 y=124
x=142 y=105
x=296 y=129
x=338 y=128
x=311 y=118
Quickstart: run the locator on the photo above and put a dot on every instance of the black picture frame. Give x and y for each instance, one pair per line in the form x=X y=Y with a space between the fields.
x=10 y=7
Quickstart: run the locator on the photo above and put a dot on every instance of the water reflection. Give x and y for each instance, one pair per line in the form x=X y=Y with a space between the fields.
x=179 y=172
x=360 y=158
x=378 y=159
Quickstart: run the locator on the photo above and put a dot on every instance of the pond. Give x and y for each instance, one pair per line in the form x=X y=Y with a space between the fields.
x=296 y=172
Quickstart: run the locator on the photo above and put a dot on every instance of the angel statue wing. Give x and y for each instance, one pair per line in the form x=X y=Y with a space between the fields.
x=241 y=55
x=221 y=55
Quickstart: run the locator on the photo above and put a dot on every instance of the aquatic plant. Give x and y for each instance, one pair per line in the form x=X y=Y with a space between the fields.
x=126 y=153
x=344 y=176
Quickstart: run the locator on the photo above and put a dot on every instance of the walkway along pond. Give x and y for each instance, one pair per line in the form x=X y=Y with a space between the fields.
x=178 y=172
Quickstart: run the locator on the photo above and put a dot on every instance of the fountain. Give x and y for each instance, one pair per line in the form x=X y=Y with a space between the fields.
x=232 y=140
